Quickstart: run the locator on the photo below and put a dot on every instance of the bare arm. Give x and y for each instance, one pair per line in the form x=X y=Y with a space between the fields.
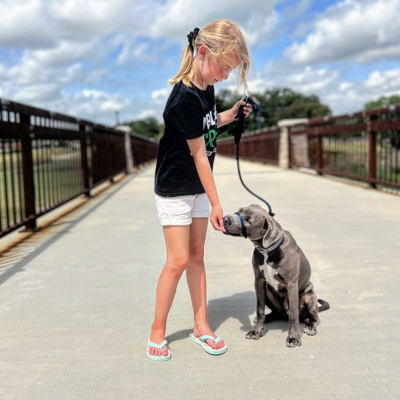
x=228 y=116
x=198 y=150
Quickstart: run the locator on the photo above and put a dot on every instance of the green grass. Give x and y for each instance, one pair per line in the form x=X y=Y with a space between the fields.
x=57 y=177
x=347 y=155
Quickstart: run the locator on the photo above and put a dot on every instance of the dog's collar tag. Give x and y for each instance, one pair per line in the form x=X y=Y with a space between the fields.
x=242 y=223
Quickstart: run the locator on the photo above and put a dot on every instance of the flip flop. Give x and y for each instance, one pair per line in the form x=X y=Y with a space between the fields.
x=201 y=341
x=158 y=346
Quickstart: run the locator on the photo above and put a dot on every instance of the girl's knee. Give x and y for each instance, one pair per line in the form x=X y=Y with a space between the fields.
x=197 y=254
x=177 y=265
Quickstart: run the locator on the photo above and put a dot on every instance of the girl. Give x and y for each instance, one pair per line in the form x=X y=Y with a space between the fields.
x=184 y=183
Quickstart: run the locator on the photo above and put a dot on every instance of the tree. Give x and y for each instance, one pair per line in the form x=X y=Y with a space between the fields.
x=277 y=104
x=383 y=101
x=148 y=127
x=225 y=100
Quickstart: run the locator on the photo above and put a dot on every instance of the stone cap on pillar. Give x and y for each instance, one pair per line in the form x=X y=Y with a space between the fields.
x=293 y=121
x=124 y=128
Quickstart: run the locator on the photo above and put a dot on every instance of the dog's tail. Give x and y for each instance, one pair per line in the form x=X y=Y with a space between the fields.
x=324 y=305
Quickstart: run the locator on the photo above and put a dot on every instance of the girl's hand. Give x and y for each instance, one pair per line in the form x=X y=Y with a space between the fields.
x=247 y=108
x=217 y=218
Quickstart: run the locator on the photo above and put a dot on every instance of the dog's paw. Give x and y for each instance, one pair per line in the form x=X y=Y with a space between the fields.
x=310 y=329
x=255 y=335
x=293 y=341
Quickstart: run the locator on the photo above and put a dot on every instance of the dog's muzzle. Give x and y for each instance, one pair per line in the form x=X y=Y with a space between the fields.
x=244 y=232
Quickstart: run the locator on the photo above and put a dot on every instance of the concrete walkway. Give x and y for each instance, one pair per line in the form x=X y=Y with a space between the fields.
x=77 y=299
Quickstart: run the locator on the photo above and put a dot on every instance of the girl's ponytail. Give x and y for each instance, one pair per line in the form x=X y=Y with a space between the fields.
x=186 y=73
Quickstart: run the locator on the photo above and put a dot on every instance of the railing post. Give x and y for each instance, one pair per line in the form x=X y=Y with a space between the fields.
x=284 y=152
x=284 y=141
x=128 y=148
x=28 y=172
x=320 y=158
x=372 y=153
x=84 y=160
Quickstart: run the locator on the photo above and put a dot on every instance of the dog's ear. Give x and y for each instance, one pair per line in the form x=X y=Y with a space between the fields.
x=265 y=226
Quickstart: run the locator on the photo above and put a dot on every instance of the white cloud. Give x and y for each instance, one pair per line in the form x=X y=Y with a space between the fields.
x=384 y=80
x=38 y=93
x=64 y=54
x=343 y=96
x=311 y=80
x=96 y=76
x=160 y=96
x=57 y=51
x=353 y=95
x=307 y=80
x=95 y=105
x=345 y=86
x=42 y=24
x=150 y=112
x=365 y=30
x=176 y=17
x=26 y=23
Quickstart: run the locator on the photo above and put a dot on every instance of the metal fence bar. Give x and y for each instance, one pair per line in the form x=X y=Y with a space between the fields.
x=363 y=146
x=28 y=173
x=48 y=159
x=261 y=145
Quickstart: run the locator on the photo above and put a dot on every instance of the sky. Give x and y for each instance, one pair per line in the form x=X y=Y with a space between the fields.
x=92 y=58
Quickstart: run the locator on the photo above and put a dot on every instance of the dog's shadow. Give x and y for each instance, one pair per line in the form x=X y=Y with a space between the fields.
x=240 y=306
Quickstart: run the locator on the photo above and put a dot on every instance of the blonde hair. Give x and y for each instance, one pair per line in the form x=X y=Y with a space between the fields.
x=221 y=38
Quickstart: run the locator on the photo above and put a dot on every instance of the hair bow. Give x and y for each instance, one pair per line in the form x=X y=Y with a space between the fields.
x=192 y=37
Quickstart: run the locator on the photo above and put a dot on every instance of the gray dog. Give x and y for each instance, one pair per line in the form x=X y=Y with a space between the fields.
x=282 y=274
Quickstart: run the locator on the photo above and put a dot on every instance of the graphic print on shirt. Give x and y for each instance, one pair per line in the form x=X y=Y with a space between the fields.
x=210 y=128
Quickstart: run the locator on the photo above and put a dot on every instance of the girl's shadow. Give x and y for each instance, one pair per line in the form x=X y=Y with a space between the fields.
x=240 y=306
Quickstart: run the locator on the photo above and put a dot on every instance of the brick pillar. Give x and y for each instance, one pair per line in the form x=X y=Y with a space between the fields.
x=128 y=148
x=284 y=139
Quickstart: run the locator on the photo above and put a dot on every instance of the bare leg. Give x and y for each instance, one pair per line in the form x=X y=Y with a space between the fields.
x=177 y=242
x=196 y=278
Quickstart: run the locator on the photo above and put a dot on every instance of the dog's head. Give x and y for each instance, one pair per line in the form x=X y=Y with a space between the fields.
x=257 y=222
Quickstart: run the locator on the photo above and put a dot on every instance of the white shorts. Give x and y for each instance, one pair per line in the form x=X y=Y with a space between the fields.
x=180 y=210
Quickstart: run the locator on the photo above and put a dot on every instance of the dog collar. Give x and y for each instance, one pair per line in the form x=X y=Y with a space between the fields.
x=271 y=248
x=242 y=223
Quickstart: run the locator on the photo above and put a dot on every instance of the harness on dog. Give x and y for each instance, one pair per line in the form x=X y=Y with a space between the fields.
x=238 y=135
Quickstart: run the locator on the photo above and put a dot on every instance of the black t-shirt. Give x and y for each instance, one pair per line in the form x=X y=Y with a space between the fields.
x=189 y=114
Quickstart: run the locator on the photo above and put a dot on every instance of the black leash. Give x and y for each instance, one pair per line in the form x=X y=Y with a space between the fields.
x=238 y=136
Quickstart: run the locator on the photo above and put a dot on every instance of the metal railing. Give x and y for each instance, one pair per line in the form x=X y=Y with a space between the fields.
x=364 y=146
x=261 y=145
x=48 y=159
x=143 y=149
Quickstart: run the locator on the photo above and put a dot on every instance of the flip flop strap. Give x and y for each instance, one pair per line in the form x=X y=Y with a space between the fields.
x=205 y=337
x=157 y=346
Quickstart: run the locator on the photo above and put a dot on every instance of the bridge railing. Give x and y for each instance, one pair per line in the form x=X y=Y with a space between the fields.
x=261 y=145
x=364 y=146
x=48 y=159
